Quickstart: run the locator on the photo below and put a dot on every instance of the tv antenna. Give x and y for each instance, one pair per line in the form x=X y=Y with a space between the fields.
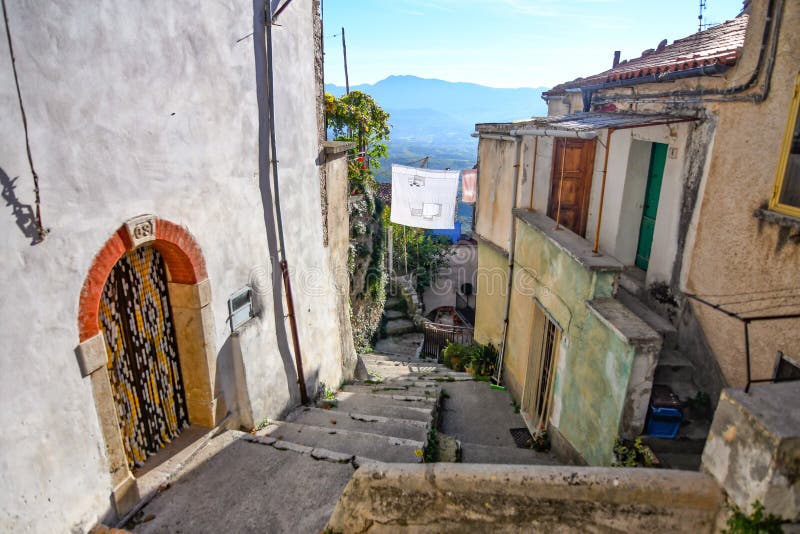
x=700 y=16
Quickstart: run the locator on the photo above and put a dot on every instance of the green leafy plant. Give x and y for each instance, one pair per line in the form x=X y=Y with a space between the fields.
x=755 y=523
x=632 y=454
x=326 y=396
x=457 y=355
x=430 y=453
x=263 y=424
x=484 y=361
x=540 y=440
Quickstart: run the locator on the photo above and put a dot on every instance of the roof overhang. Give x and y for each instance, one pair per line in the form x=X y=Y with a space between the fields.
x=582 y=125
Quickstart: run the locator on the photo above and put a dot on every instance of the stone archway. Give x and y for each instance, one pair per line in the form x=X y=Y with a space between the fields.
x=190 y=297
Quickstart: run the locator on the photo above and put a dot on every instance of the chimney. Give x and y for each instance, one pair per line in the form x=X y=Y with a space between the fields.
x=616 y=59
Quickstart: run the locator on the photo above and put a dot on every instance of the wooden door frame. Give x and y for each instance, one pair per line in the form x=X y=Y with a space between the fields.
x=533 y=368
x=584 y=220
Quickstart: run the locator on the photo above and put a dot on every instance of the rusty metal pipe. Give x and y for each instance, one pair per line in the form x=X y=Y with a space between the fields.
x=287 y=284
x=602 y=192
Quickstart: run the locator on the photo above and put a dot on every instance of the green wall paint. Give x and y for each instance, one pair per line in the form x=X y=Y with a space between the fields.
x=594 y=364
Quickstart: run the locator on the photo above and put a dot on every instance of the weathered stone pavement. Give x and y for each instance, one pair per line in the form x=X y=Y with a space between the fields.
x=287 y=476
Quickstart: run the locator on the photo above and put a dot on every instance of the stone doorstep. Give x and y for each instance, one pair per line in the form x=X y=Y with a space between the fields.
x=150 y=484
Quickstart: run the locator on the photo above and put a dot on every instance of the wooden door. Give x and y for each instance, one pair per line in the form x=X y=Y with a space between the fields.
x=573 y=186
x=655 y=175
x=143 y=364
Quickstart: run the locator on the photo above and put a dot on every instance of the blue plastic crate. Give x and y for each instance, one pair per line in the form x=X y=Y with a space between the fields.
x=664 y=422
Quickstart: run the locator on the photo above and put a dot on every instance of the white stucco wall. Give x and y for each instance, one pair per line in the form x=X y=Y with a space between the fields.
x=143 y=109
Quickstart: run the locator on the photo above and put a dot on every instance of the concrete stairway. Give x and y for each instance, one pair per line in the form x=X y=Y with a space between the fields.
x=675 y=371
x=397 y=320
x=387 y=419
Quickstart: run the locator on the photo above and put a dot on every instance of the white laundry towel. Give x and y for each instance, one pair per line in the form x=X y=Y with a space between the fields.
x=424 y=198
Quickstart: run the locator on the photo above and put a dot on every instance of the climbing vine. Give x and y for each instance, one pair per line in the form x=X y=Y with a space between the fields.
x=357 y=118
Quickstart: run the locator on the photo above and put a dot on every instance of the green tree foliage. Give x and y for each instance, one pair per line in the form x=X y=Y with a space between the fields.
x=424 y=254
x=357 y=118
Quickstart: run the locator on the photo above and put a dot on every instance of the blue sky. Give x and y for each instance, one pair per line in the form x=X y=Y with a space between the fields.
x=501 y=43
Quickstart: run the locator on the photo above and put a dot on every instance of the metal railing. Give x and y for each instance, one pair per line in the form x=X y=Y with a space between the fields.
x=438 y=335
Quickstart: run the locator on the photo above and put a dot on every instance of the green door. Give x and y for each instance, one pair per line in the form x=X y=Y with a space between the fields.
x=655 y=174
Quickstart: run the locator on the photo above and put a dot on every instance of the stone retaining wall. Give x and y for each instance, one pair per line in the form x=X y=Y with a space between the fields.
x=505 y=498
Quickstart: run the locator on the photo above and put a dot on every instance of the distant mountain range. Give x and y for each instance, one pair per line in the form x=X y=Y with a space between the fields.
x=467 y=103
x=435 y=118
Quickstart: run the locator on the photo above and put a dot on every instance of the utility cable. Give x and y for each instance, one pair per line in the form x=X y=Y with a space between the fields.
x=40 y=229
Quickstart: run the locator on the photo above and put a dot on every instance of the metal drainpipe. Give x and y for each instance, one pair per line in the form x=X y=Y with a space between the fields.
x=287 y=283
x=512 y=241
x=602 y=192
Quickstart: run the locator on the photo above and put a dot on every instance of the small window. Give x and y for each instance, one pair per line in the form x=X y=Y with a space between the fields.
x=786 y=195
x=240 y=307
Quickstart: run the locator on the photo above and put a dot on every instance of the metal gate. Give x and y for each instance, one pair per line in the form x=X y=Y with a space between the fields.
x=143 y=361
x=436 y=337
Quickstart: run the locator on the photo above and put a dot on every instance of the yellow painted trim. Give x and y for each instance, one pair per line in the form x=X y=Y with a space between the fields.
x=774 y=203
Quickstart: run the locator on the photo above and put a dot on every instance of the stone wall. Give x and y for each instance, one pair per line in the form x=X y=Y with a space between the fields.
x=501 y=498
x=134 y=109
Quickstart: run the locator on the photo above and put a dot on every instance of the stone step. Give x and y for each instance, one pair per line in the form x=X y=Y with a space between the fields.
x=375 y=424
x=426 y=378
x=358 y=444
x=393 y=303
x=391 y=358
x=673 y=367
x=684 y=389
x=394 y=314
x=384 y=406
x=410 y=372
x=683 y=462
x=633 y=280
x=396 y=327
x=674 y=446
x=404 y=345
x=473 y=453
x=397 y=391
x=668 y=332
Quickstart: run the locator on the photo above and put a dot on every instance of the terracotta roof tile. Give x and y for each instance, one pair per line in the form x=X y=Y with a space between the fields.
x=721 y=44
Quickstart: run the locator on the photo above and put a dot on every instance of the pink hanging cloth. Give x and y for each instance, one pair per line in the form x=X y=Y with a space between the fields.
x=469 y=180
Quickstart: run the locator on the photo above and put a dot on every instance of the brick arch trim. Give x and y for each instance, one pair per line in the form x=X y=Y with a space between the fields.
x=180 y=251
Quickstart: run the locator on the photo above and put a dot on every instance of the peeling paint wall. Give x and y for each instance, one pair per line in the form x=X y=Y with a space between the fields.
x=491 y=288
x=496 y=176
x=138 y=109
x=732 y=252
x=594 y=363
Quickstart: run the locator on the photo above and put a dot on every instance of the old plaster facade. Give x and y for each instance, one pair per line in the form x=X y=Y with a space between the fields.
x=718 y=106
x=147 y=128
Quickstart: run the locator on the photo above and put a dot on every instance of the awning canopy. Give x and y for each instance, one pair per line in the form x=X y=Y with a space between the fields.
x=581 y=122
